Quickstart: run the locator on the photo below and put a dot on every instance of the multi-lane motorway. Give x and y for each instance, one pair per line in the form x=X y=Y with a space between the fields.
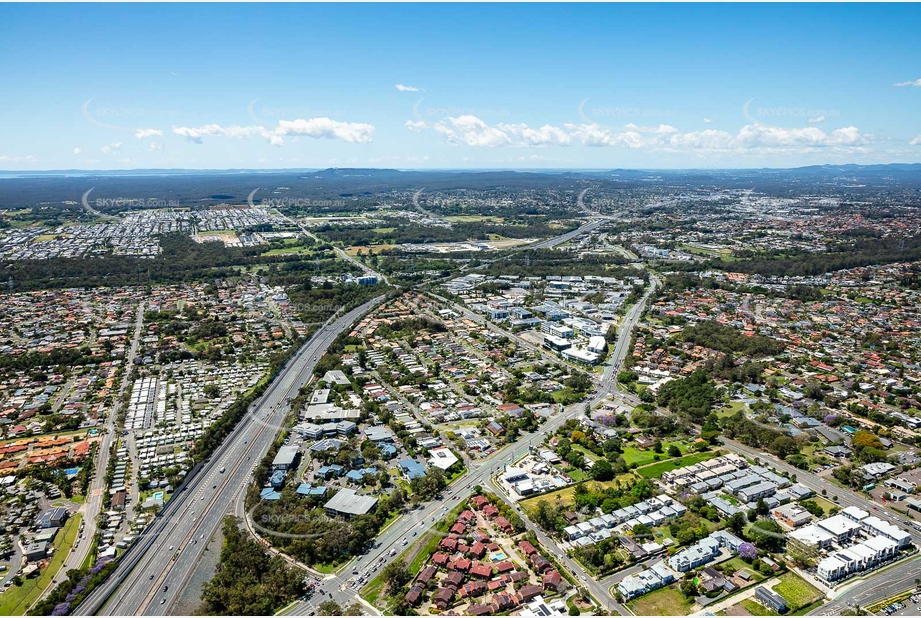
x=559 y=240
x=153 y=573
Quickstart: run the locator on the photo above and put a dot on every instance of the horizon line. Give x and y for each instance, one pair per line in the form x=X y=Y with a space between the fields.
x=543 y=170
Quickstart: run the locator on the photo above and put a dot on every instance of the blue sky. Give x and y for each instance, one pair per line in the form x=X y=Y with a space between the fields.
x=481 y=86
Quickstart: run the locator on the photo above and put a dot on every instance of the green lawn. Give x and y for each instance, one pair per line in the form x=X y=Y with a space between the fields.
x=288 y=251
x=737 y=563
x=588 y=454
x=757 y=609
x=797 y=591
x=828 y=505
x=564 y=495
x=729 y=410
x=662 y=602
x=636 y=456
x=805 y=611
x=656 y=470
x=562 y=395
x=17 y=599
x=642 y=457
x=373 y=590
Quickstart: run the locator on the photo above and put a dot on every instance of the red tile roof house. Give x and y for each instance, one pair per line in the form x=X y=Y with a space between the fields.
x=472 y=589
x=496 y=584
x=443 y=598
x=481 y=570
x=479 y=535
x=490 y=511
x=554 y=581
x=503 y=601
x=462 y=547
x=541 y=564
x=504 y=567
x=504 y=525
x=458 y=528
x=439 y=558
x=478 y=550
x=466 y=517
x=454 y=580
x=461 y=564
x=414 y=596
x=479 y=609
x=426 y=575
x=527 y=548
x=518 y=576
x=526 y=593
x=448 y=543
x=479 y=502
x=512 y=409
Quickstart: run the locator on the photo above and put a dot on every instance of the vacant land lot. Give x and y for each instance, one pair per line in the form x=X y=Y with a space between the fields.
x=655 y=470
x=662 y=602
x=796 y=591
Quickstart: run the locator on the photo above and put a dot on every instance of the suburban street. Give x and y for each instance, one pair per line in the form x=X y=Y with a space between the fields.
x=153 y=573
x=878 y=586
x=93 y=505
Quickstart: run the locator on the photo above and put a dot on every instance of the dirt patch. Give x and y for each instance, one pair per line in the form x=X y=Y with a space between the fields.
x=737 y=610
x=189 y=601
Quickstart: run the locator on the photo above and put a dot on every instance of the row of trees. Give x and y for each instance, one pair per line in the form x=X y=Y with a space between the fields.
x=248 y=581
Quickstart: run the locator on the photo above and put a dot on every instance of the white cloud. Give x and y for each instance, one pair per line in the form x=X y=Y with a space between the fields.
x=750 y=139
x=113 y=147
x=916 y=141
x=472 y=131
x=665 y=129
x=403 y=88
x=547 y=135
x=25 y=159
x=77 y=150
x=196 y=134
x=816 y=120
x=916 y=82
x=354 y=132
x=144 y=133
x=707 y=121
x=155 y=146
